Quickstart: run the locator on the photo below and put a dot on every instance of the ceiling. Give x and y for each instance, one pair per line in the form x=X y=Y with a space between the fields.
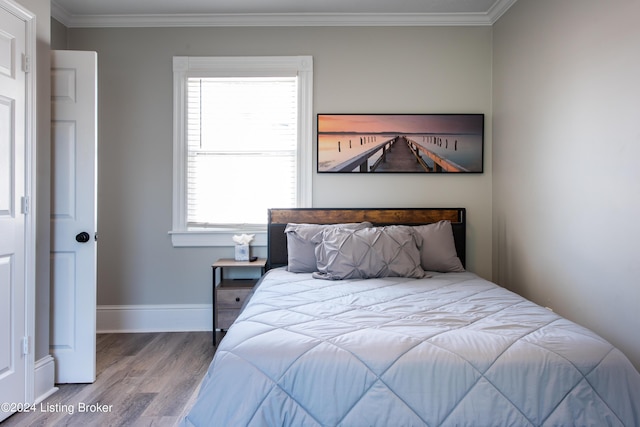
x=167 y=13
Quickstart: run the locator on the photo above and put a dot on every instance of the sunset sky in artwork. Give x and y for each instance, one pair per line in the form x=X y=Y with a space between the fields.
x=405 y=123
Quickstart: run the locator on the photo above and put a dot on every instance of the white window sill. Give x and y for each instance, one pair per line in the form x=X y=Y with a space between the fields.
x=214 y=238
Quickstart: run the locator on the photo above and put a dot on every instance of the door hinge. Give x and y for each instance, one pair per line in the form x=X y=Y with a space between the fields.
x=25 y=346
x=26 y=205
x=26 y=63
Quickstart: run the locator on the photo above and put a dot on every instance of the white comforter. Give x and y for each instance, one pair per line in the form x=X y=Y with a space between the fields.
x=450 y=350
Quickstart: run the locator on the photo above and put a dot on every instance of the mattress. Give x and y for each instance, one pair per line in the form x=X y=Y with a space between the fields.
x=451 y=349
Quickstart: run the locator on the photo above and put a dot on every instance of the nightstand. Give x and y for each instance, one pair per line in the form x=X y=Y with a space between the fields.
x=229 y=294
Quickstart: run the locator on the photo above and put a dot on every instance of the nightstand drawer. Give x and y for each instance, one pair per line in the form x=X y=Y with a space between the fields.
x=226 y=317
x=231 y=297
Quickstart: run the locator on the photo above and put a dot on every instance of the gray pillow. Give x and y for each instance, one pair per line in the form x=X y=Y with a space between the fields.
x=301 y=250
x=367 y=253
x=438 y=250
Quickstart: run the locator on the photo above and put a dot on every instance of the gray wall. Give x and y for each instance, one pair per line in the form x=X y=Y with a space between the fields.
x=58 y=35
x=566 y=147
x=356 y=70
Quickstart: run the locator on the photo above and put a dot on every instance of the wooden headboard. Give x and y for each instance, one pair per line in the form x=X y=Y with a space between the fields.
x=279 y=218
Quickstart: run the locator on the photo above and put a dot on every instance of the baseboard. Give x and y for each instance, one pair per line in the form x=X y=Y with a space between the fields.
x=44 y=378
x=154 y=318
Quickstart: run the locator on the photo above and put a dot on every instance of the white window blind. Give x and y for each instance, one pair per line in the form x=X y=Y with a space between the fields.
x=242 y=149
x=242 y=143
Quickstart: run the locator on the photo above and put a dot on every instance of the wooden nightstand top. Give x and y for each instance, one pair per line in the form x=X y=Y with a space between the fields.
x=230 y=262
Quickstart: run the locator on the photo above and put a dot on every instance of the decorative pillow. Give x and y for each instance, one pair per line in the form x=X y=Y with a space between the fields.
x=438 y=250
x=369 y=252
x=301 y=250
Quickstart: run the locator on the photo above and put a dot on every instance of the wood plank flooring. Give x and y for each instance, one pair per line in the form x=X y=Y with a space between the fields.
x=143 y=379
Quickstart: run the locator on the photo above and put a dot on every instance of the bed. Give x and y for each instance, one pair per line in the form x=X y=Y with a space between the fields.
x=370 y=339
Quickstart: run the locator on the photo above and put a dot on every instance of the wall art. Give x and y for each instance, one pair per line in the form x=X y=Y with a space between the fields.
x=400 y=143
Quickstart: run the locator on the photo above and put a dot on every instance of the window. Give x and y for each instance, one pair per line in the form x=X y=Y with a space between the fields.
x=242 y=144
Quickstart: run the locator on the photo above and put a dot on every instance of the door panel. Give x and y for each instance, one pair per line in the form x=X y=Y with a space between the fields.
x=6 y=342
x=7 y=150
x=63 y=266
x=63 y=154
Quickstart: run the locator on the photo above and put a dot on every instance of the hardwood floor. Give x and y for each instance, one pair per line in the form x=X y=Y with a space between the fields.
x=143 y=379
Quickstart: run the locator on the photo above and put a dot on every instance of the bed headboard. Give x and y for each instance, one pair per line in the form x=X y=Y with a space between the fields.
x=279 y=218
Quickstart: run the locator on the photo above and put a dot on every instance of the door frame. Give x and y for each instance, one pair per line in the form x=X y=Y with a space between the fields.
x=30 y=194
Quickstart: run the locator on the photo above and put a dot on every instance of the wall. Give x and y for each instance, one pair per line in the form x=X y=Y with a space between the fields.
x=374 y=70
x=58 y=35
x=565 y=174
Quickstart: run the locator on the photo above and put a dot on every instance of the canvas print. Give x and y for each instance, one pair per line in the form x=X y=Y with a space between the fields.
x=405 y=143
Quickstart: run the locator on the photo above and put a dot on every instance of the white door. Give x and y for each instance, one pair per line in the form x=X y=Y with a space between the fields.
x=73 y=215
x=14 y=342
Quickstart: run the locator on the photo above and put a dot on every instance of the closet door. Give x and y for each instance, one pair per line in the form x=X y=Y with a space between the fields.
x=17 y=242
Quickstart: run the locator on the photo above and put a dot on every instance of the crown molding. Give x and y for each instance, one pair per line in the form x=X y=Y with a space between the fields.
x=281 y=20
x=60 y=14
x=498 y=9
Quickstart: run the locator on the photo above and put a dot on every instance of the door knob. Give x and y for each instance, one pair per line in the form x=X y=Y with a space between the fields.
x=82 y=237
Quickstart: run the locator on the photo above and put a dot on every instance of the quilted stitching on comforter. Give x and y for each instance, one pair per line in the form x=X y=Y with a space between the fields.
x=450 y=350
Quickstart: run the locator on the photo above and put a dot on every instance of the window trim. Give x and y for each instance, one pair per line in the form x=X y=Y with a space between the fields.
x=189 y=66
